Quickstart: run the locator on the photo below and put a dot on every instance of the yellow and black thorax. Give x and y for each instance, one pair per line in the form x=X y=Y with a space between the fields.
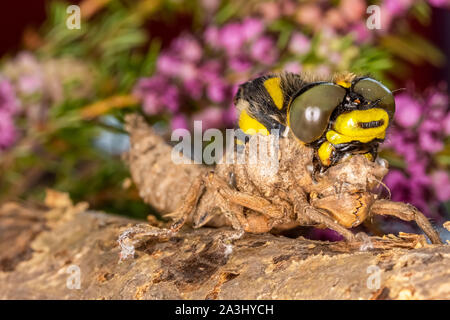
x=338 y=118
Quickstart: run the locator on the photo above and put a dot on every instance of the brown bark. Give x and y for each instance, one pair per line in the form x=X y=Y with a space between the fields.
x=197 y=264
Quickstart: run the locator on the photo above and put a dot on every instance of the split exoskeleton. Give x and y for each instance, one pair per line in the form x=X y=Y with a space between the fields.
x=327 y=168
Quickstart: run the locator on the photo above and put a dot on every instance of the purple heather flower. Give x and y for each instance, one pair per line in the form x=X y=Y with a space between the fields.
x=407 y=190
x=211 y=117
x=188 y=48
x=230 y=115
x=8 y=133
x=170 y=98
x=210 y=71
x=211 y=36
x=396 y=180
x=240 y=63
x=151 y=103
x=29 y=84
x=439 y=3
x=292 y=66
x=155 y=83
x=361 y=32
x=187 y=71
x=167 y=64
x=217 y=91
x=441 y=184
x=429 y=137
x=270 y=10
x=194 y=88
x=438 y=100
x=251 y=28
x=299 y=43
x=179 y=121
x=8 y=100
x=397 y=7
x=157 y=95
x=264 y=50
x=446 y=125
x=417 y=171
x=408 y=111
x=231 y=38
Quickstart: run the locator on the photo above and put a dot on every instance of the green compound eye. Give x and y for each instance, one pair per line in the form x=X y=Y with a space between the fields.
x=310 y=112
x=373 y=90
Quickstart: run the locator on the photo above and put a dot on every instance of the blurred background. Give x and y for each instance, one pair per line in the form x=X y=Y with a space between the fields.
x=64 y=91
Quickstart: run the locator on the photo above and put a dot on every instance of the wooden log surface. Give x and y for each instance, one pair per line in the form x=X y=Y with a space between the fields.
x=39 y=249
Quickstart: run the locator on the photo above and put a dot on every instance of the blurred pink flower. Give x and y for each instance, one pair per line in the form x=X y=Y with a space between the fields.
x=408 y=111
x=251 y=28
x=334 y=19
x=439 y=3
x=187 y=71
x=438 y=100
x=194 y=88
x=397 y=7
x=446 y=125
x=352 y=10
x=407 y=190
x=157 y=95
x=441 y=185
x=417 y=169
x=361 y=32
x=179 y=121
x=264 y=50
x=217 y=91
x=29 y=84
x=420 y=132
x=151 y=104
x=210 y=71
x=288 y=7
x=8 y=132
x=211 y=117
x=386 y=18
x=8 y=101
x=231 y=38
x=309 y=14
x=230 y=115
x=429 y=137
x=299 y=43
x=292 y=66
x=240 y=63
x=167 y=64
x=188 y=48
x=404 y=143
x=170 y=98
x=211 y=36
x=270 y=10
